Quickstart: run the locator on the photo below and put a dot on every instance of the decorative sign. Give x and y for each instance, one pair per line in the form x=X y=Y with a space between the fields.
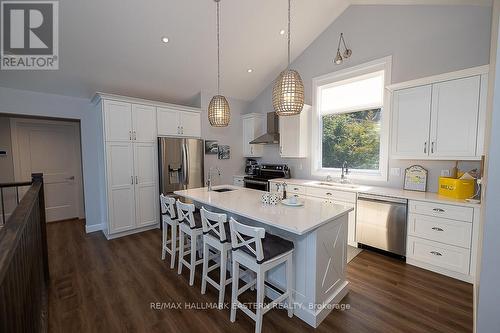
x=416 y=178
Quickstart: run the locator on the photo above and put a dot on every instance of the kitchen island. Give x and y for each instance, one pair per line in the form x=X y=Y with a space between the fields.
x=318 y=230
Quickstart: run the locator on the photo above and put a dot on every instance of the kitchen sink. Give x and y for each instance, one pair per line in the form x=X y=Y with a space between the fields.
x=224 y=189
x=337 y=185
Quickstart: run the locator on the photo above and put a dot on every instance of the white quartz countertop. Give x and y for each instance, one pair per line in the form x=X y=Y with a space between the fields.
x=386 y=191
x=247 y=203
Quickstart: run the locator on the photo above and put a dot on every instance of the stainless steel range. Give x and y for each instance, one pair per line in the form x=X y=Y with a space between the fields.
x=260 y=181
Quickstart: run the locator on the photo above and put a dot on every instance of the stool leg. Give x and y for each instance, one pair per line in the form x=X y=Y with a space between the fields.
x=205 y=268
x=260 y=300
x=223 y=272
x=234 y=290
x=164 y=241
x=174 y=245
x=193 y=259
x=181 y=250
x=289 y=285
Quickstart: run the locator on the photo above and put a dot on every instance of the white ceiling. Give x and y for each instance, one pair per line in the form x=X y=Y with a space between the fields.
x=115 y=46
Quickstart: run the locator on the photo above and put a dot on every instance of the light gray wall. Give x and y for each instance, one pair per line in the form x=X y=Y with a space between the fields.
x=6 y=164
x=230 y=135
x=488 y=309
x=20 y=102
x=423 y=41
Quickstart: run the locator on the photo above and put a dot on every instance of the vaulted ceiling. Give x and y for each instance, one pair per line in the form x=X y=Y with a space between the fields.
x=115 y=46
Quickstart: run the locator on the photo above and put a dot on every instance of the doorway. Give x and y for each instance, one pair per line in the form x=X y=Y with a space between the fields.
x=51 y=147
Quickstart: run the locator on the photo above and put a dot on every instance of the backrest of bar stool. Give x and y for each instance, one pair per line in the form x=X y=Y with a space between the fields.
x=167 y=206
x=185 y=211
x=253 y=235
x=214 y=222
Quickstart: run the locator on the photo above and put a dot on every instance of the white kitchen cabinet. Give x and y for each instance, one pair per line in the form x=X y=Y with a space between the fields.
x=411 y=122
x=143 y=123
x=129 y=122
x=118 y=121
x=254 y=125
x=455 y=109
x=146 y=191
x=294 y=131
x=120 y=186
x=442 y=120
x=175 y=122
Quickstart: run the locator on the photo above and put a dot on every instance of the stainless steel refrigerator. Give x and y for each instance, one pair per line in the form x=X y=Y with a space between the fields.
x=180 y=164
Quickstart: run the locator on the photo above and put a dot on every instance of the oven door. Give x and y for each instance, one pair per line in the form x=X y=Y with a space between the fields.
x=256 y=184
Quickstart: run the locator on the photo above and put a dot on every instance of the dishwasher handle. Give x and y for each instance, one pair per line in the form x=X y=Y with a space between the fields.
x=380 y=198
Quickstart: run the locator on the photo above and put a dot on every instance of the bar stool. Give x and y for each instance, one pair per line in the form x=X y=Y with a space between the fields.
x=259 y=252
x=189 y=225
x=216 y=235
x=169 y=219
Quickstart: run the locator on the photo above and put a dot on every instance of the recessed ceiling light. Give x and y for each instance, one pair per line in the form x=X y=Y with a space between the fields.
x=249 y=70
x=282 y=32
x=164 y=39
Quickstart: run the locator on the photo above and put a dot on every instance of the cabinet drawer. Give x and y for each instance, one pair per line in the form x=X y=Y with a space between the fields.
x=440 y=230
x=297 y=189
x=332 y=194
x=441 y=210
x=446 y=256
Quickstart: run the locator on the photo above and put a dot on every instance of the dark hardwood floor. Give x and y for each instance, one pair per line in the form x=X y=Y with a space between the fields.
x=108 y=286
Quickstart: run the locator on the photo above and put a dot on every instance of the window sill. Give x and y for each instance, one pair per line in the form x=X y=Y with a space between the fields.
x=367 y=176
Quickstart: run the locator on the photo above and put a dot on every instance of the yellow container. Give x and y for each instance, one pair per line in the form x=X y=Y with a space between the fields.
x=456 y=188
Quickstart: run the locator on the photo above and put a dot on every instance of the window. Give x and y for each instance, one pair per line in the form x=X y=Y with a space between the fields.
x=350 y=121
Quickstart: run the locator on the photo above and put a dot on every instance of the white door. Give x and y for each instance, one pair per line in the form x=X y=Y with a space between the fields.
x=411 y=122
x=51 y=148
x=120 y=177
x=289 y=136
x=168 y=121
x=144 y=123
x=190 y=124
x=146 y=191
x=455 y=109
x=118 y=121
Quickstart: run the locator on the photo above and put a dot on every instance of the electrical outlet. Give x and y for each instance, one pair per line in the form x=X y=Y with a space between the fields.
x=396 y=172
x=445 y=173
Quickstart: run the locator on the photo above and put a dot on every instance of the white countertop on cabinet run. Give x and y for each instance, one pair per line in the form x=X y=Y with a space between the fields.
x=247 y=203
x=386 y=191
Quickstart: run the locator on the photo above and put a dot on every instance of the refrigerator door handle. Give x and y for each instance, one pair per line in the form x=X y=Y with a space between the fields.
x=185 y=163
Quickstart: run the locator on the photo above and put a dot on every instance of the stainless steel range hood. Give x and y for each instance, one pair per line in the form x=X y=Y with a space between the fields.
x=272 y=136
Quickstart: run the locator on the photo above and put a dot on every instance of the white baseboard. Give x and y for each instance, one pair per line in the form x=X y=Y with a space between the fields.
x=93 y=228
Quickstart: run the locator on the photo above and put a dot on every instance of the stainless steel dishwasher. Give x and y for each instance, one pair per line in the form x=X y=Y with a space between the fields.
x=381 y=223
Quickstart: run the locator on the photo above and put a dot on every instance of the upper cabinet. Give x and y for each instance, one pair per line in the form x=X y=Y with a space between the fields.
x=294 y=131
x=442 y=120
x=175 y=122
x=253 y=126
x=129 y=122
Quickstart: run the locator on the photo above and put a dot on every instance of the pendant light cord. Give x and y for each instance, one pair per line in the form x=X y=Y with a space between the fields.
x=340 y=39
x=289 y=33
x=218 y=49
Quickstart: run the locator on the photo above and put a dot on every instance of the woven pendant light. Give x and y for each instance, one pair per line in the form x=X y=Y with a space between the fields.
x=219 y=113
x=288 y=89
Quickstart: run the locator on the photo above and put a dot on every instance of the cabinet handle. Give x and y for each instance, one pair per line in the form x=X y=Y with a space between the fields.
x=328 y=193
x=281 y=150
x=136 y=180
x=182 y=129
x=295 y=188
x=178 y=130
x=425 y=147
x=437 y=229
x=135 y=135
x=130 y=135
x=439 y=210
x=251 y=150
x=132 y=180
x=432 y=147
x=436 y=253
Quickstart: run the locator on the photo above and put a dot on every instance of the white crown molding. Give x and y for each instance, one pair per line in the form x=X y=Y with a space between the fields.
x=480 y=70
x=487 y=3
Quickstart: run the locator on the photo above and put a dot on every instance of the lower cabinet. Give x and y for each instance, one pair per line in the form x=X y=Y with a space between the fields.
x=440 y=238
x=132 y=196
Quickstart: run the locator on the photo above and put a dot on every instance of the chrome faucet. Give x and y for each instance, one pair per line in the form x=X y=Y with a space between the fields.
x=209 y=181
x=345 y=172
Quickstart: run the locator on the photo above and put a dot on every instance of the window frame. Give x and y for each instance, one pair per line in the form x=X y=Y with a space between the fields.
x=331 y=79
